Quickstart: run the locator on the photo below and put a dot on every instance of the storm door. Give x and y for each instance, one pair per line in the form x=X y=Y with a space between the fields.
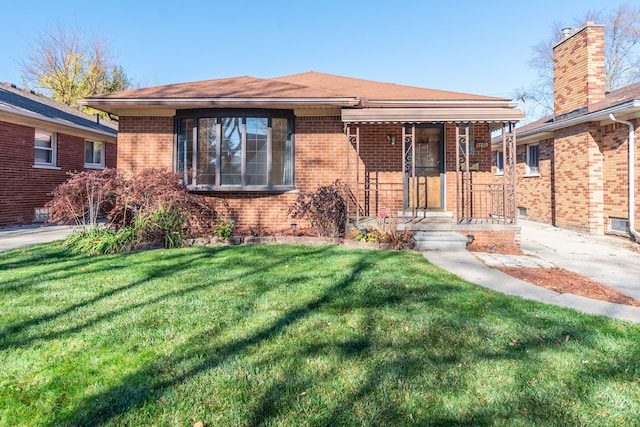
x=424 y=167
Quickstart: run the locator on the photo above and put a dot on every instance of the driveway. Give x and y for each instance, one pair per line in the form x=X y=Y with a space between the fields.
x=18 y=237
x=605 y=259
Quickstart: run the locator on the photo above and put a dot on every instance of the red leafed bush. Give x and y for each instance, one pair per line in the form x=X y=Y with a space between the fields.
x=87 y=195
x=84 y=196
x=152 y=188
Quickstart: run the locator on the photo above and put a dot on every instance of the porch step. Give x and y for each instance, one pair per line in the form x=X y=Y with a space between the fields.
x=439 y=241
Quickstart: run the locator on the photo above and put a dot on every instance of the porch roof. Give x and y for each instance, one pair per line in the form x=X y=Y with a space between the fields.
x=482 y=112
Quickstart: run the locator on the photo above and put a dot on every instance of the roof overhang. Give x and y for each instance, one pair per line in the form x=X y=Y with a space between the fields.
x=432 y=115
x=119 y=105
x=24 y=117
x=627 y=110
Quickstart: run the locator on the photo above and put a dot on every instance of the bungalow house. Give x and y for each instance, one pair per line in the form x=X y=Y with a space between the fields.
x=405 y=152
x=40 y=141
x=576 y=168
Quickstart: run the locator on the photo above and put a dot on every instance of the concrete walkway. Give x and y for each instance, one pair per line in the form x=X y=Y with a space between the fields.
x=603 y=259
x=19 y=237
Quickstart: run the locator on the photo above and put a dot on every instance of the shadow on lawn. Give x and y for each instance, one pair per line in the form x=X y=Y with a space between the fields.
x=181 y=263
x=135 y=388
x=444 y=348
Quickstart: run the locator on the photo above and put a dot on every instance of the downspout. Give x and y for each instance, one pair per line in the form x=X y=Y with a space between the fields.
x=632 y=203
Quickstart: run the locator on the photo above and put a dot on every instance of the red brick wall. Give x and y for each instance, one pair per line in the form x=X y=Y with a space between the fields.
x=534 y=192
x=25 y=187
x=578 y=69
x=579 y=179
x=614 y=143
x=145 y=142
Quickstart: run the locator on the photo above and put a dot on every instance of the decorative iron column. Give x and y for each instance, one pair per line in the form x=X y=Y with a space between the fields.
x=463 y=176
x=509 y=173
x=354 y=140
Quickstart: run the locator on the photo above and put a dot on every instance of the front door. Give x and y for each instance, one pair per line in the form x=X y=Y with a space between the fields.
x=424 y=167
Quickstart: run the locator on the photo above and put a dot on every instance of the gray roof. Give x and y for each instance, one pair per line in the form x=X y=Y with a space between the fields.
x=27 y=103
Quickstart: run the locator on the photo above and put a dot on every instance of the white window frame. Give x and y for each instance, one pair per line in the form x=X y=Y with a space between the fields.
x=94 y=164
x=499 y=162
x=39 y=133
x=532 y=170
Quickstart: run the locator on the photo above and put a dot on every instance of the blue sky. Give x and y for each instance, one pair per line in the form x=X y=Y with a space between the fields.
x=479 y=47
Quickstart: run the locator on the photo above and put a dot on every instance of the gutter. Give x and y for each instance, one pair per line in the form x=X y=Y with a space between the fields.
x=632 y=174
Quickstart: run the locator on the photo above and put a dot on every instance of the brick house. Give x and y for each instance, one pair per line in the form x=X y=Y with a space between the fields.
x=573 y=166
x=40 y=141
x=255 y=144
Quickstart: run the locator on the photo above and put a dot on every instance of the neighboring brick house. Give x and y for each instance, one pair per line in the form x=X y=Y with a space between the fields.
x=255 y=144
x=40 y=141
x=573 y=167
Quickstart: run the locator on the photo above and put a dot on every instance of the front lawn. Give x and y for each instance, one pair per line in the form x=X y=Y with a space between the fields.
x=295 y=335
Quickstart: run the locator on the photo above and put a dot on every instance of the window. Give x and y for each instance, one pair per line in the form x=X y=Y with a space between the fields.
x=466 y=129
x=45 y=148
x=93 y=154
x=499 y=163
x=247 y=149
x=533 y=156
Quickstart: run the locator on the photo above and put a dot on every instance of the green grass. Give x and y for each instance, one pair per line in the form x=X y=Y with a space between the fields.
x=295 y=335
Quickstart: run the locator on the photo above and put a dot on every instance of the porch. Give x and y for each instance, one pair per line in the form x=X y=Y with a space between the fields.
x=437 y=178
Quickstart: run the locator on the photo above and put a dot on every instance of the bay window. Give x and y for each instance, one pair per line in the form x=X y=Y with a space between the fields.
x=218 y=149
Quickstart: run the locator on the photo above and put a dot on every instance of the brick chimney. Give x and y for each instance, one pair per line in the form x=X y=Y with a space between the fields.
x=578 y=69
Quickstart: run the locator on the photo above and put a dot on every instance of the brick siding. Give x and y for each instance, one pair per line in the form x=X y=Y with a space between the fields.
x=25 y=187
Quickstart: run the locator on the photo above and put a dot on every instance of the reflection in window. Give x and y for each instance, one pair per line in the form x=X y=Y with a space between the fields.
x=246 y=151
x=533 y=157
x=45 y=148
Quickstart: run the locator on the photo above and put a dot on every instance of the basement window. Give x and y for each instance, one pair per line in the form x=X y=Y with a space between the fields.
x=619 y=225
x=522 y=212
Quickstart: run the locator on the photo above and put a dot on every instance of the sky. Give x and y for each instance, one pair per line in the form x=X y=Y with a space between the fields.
x=479 y=47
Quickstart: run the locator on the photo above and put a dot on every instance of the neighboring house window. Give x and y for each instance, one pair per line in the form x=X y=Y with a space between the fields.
x=499 y=163
x=533 y=157
x=93 y=154
x=252 y=149
x=45 y=148
x=464 y=128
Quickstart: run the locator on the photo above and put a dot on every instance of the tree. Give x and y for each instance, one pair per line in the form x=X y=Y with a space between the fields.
x=63 y=68
x=622 y=56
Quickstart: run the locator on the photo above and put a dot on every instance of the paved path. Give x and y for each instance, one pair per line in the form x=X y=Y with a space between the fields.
x=18 y=237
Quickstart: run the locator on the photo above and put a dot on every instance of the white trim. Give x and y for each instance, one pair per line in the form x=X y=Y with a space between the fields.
x=93 y=165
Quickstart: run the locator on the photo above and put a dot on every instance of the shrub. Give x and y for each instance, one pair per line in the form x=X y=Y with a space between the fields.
x=223 y=228
x=386 y=232
x=99 y=240
x=150 y=207
x=324 y=208
x=84 y=197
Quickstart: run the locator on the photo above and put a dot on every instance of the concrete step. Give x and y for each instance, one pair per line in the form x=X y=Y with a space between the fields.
x=439 y=241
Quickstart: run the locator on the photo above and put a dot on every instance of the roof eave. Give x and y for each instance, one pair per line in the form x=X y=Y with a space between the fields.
x=59 y=122
x=544 y=131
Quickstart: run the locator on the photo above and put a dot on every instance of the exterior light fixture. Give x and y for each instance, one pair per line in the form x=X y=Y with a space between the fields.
x=293 y=228
x=391 y=138
x=470 y=238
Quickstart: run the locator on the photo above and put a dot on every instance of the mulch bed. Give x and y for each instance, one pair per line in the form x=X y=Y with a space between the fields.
x=564 y=281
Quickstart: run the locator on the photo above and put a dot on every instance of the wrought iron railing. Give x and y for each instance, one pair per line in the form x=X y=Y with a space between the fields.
x=487 y=203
